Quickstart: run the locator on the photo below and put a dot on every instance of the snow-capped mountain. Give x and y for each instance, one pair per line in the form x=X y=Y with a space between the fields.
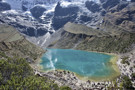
x=38 y=19
x=18 y=4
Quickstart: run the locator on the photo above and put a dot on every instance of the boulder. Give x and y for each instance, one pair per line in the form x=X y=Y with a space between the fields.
x=4 y=6
x=92 y=6
x=37 y=11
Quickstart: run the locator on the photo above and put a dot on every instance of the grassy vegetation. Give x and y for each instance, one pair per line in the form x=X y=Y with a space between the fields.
x=115 y=44
x=16 y=74
x=127 y=83
x=25 y=48
x=124 y=60
x=14 y=44
x=124 y=85
x=65 y=88
x=133 y=76
x=15 y=71
x=82 y=29
x=9 y=34
x=21 y=48
x=111 y=44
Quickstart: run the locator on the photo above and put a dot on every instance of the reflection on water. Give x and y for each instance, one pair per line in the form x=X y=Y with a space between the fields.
x=81 y=62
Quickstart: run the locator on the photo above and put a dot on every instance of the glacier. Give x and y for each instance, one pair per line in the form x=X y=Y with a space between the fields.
x=17 y=4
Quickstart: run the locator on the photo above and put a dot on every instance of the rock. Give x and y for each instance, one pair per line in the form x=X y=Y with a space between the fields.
x=119 y=21
x=14 y=44
x=24 y=8
x=37 y=11
x=123 y=16
x=103 y=12
x=60 y=22
x=102 y=1
x=24 y=5
x=35 y=32
x=4 y=6
x=64 y=11
x=29 y=60
x=92 y=6
x=62 y=15
x=121 y=6
x=85 y=18
x=30 y=31
x=132 y=0
x=42 y=31
x=110 y=3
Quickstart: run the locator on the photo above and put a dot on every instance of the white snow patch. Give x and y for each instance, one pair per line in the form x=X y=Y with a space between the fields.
x=45 y=38
x=27 y=13
x=10 y=12
x=65 y=4
x=51 y=8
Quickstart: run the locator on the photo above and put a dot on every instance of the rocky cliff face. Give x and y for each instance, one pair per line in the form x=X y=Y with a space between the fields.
x=14 y=44
x=37 y=20
x=62 y=15
x=92 y=6
x=123 y=16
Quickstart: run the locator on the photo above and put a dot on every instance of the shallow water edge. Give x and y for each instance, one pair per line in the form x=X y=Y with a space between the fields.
x=112 y=63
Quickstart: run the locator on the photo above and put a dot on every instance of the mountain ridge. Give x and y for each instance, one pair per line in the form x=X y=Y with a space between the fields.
x=14 y=44
x=111 y=43
x=43 y=19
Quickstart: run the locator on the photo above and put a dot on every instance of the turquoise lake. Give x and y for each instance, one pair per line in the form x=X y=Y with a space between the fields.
x=83 y=63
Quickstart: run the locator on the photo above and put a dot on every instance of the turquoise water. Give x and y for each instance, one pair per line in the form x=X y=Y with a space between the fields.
x=84 y=63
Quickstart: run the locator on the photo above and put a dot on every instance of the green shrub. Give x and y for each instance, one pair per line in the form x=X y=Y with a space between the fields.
x=133 y=75
x=16 y=74
x=127 y=84
x=124 y=60
x=65 y=88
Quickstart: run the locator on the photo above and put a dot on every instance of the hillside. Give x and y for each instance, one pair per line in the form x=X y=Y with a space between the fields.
x=78 y=38
x=122 y=16
x=16 y=53
x=119 y=43
x=14 y=44
x=82 y=29
x=16 y=73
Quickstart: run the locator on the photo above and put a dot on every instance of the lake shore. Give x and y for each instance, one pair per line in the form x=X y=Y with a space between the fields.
x=62 y=76
x=112 y=63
